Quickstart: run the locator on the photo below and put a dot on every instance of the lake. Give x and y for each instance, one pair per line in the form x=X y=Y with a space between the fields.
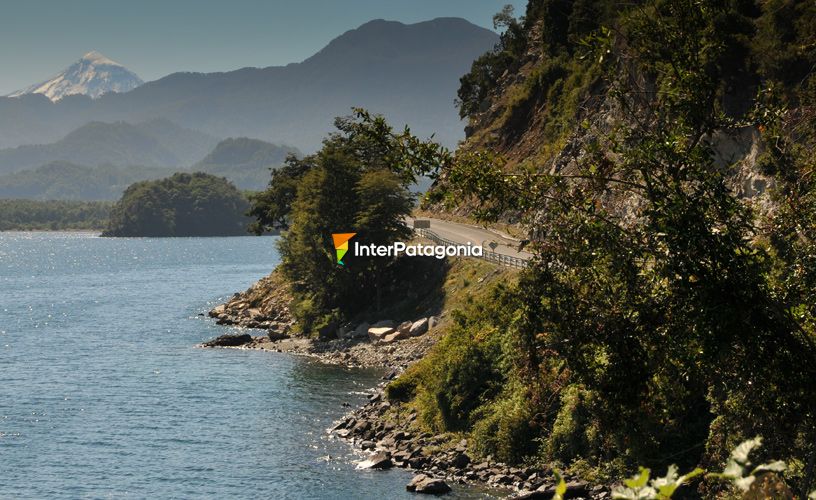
x=103 y=393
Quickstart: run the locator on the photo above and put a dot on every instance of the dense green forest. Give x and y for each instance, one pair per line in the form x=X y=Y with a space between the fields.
x=357 y=182
x=196 y=204
x=665 y=318
x=27 y=215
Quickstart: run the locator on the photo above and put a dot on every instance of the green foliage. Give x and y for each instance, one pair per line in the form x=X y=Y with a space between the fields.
x=357 y=183
x=561 y=80
x=271 y=207
x=640 y=488
x=29 y=215
x=486 y=70
x=195 y=204
x=659 y=318
x=738 y=471
x=560 y=486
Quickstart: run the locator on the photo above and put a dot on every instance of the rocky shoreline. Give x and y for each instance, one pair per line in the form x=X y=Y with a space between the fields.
x=388 y=432
x=392 y=437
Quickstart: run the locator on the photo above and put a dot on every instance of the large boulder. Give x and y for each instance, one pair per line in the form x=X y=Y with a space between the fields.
x=377 y=333
x=418 y=327
x=424 y=484
x=218 y=311
x=381 y=460
x=229 y=340
x=395 y=336
x=404 y=327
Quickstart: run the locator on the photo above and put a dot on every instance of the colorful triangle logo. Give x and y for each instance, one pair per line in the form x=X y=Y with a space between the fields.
x=341 y=245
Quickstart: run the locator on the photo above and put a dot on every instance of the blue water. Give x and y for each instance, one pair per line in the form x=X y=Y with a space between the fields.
x=103 y=394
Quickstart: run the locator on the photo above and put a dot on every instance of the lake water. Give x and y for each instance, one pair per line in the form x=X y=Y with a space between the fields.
x=103 y=394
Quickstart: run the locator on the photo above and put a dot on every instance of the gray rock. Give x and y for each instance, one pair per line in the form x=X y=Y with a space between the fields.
x=460 y=461
x=411 y=486
x=229 y=340
x=404 y=327
x=433 y=321
x=377 y=333
x=575 y=489
x=275 y=335
x=427 y=485
x=418 y=327
x=394 y=336
x=381 y=460
x=359 y=332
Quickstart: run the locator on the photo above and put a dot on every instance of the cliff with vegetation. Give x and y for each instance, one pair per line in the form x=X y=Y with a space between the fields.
x=657 y=155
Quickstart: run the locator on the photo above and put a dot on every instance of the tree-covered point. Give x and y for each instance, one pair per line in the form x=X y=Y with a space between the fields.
x=357 y=183
x=31 y=215
x=184 y=204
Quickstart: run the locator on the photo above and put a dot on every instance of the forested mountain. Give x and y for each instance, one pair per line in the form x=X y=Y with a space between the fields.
x=409 y=73
x=245 y=162
x=154 y=143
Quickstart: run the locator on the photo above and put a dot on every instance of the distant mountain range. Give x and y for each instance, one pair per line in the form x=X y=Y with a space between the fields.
x=62 y=180
x=409 y=73
x=154 y=143
x=93 y=75
x=245 y=162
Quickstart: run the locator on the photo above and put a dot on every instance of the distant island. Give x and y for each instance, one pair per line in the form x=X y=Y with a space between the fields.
x=196 y=204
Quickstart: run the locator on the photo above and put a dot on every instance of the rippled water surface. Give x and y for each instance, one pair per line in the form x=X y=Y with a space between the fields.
x=102 y=394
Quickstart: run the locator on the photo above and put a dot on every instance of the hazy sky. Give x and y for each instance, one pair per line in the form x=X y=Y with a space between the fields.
x=154 y=38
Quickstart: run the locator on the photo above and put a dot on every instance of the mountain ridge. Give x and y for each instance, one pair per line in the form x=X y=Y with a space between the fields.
x=414 y=85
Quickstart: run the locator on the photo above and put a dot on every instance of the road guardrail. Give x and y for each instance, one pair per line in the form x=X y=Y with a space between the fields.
x=499 y=258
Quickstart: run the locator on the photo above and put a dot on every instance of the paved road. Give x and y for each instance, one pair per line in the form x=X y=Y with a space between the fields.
x=464 y=233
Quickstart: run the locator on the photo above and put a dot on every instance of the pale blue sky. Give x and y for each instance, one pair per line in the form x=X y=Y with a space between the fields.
x=153 y=38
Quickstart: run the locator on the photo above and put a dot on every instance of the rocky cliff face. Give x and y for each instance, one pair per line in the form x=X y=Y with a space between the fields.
x=544 y=111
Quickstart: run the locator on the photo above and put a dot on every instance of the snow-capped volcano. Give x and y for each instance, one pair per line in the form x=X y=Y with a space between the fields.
x=93 y=75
